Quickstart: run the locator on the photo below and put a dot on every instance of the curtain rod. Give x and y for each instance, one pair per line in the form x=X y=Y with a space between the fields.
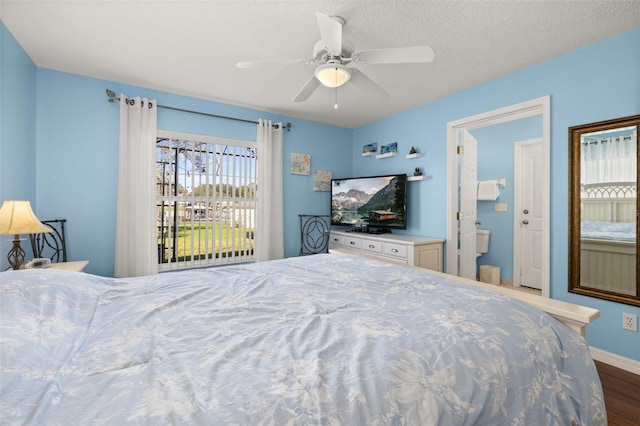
x=112 y=98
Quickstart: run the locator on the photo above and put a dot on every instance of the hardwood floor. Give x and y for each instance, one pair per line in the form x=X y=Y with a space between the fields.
x=621 y=395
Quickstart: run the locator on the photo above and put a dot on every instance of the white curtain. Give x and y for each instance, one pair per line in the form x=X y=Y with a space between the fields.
x=269 y=232
x=136 y=234
x=608 y=160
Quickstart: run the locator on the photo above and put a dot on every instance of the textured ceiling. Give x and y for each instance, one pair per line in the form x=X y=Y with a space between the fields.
x=191 y=47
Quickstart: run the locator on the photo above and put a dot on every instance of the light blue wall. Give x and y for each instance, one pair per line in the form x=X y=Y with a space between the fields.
x=422 y=129
x=17 y=129
x=60 y=135
x=495 y=161
x=78 y=156
x=594 y=83
x=76 y=144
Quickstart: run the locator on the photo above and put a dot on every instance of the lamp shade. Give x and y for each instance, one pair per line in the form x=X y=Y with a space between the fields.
x=333 y=75
x=16 y=217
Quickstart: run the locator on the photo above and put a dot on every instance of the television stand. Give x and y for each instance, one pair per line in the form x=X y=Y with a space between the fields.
x=411 y=250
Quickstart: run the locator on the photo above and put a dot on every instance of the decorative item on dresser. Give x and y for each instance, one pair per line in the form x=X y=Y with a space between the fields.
x=424 y=252
x=17 y=217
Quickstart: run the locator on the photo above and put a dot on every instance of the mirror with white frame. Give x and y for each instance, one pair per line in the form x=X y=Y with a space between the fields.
x=603 y=210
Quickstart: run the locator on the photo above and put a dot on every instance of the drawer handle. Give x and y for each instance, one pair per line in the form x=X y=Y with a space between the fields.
x=335 y=239
x=372 y=246
x=394 y=250
x=353 y=243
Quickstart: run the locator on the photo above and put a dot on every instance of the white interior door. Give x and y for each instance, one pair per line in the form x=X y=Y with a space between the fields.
x=534 y=107
x=468 y=205
x=528 y=214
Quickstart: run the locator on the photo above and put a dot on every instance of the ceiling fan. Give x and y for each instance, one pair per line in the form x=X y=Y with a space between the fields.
x=337 y=58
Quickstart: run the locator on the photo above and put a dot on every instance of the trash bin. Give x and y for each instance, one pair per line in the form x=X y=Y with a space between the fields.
x=490 y=274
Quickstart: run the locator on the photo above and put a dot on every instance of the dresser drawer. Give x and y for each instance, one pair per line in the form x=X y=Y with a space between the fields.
x=371 y=246
x=354 y=243
x=337 y=240
x=396 y=250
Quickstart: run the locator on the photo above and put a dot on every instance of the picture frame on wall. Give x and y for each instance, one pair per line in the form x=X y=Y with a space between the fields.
x=322 y=180
x=300 y=163
x=370 y=148
x=389 y=148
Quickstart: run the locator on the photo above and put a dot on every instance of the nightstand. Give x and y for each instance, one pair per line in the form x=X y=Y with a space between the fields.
x=77 y=266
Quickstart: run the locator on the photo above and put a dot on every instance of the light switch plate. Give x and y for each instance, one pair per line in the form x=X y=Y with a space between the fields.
x=501 y=207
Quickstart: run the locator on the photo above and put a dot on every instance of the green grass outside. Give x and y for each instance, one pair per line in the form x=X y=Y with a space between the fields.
x=217 y=237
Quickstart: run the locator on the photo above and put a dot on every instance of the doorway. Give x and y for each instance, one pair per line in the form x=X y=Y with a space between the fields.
x=456 y=246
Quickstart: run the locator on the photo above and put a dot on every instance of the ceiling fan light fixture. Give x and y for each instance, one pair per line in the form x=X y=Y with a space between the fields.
x=333 y=75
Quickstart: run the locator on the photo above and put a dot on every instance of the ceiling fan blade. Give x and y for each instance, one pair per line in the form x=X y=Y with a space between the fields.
x=397 y=55
x=255 y=64
x=365 y=84
x=306 y=91
x=330 y=32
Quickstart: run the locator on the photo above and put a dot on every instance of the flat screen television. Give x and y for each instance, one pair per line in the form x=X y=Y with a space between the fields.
x=372 y=202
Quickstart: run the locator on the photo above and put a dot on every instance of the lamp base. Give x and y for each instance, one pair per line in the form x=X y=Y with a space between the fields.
x=16 y=254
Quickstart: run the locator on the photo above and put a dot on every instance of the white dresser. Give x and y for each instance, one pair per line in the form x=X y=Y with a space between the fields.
x=411 y=250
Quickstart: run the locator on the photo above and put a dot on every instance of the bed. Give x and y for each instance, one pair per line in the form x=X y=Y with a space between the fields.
x=608 y=236
x=329 y=339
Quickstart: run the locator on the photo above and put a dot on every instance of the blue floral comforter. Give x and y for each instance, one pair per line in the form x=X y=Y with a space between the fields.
x=327 y=339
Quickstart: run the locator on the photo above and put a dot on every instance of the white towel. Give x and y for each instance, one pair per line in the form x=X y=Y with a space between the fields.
x=488 y=190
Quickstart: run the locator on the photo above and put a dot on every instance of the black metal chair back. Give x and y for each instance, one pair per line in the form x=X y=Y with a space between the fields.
x=314 y=234
x=51 y=245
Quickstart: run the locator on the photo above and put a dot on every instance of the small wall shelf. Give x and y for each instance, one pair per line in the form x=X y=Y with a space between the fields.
x=416 y=155
x=412 y=178
x=368 y=154
x=388 y=154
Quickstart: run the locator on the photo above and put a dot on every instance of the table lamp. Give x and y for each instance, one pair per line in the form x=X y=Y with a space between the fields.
x=16 y=217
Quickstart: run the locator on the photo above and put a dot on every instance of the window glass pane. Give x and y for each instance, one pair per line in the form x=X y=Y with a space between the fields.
x=206 y=202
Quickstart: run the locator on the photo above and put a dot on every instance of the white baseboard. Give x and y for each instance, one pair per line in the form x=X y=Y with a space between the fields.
x=626 y=364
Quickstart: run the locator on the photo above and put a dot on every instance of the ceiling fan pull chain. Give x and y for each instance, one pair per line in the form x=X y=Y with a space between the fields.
x=335 y=106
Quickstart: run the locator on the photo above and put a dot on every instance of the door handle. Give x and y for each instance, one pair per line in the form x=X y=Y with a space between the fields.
x=525 y=222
